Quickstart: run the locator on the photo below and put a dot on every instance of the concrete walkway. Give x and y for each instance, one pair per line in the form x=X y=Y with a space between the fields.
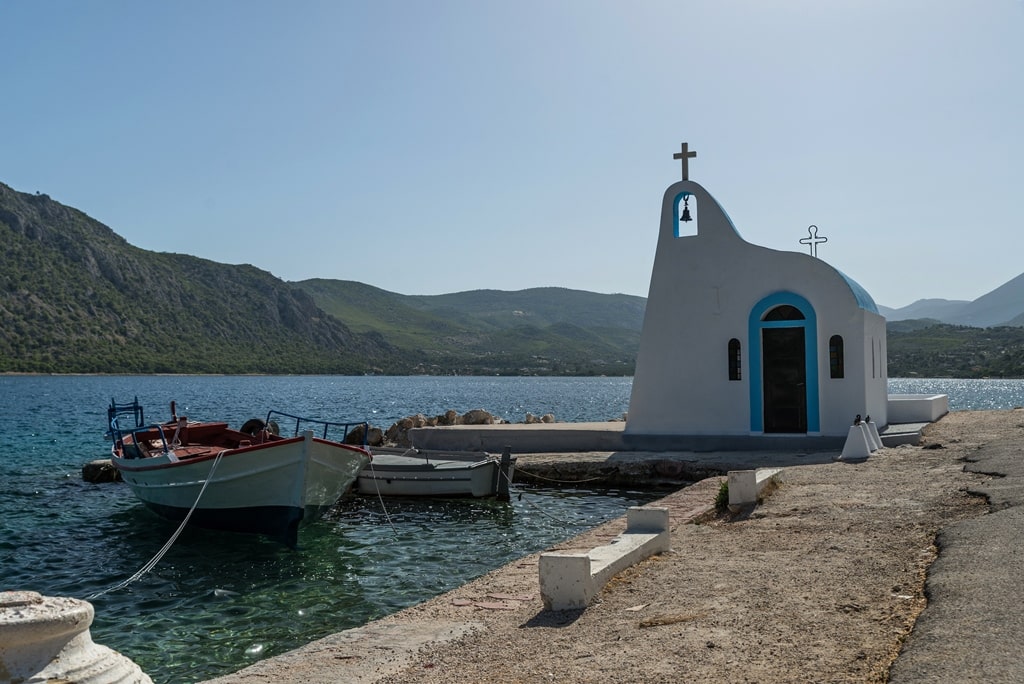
x=973 y=627
x=970 y=631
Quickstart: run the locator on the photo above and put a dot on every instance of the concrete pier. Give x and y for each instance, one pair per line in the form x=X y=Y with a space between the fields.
x=611 y=436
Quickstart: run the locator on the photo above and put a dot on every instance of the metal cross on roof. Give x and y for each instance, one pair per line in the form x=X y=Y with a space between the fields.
x=685 y=155
x=813 y=239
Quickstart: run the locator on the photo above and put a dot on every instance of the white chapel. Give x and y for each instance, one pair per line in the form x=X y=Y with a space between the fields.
x=742 y=344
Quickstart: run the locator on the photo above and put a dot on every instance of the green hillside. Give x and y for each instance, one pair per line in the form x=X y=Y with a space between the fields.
x=953 y=351
x=537 y=331
x=77 y=298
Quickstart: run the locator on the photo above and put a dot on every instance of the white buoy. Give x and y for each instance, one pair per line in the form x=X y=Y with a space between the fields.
x=46 y=639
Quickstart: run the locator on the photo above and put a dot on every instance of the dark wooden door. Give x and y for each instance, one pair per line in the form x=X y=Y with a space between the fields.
x=785 y=380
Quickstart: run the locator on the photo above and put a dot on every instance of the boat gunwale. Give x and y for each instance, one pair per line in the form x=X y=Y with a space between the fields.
x=127 y=464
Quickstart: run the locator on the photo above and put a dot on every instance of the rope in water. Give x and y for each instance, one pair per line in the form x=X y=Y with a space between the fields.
x=550 y=479
x=501 y=473
x=504 y=474
x=170 y=542
x=380 y=498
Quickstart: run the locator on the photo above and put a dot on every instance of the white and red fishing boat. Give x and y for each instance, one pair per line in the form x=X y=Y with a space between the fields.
x=247 y=480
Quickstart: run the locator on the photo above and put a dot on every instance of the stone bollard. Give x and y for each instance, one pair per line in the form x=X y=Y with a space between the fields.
x=857 y=446
x=46 y=639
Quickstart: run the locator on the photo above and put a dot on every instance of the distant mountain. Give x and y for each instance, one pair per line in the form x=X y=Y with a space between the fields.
x=937 y=309
x=77 y=298
x=999 y=307
x=1002 y=306
x=541 y=306
x=539 y=330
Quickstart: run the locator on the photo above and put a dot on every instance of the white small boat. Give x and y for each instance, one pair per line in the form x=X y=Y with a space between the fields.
x=246 y=480
x=419 y=472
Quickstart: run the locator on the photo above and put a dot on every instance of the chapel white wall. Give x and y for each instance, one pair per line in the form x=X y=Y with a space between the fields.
x=702 y=290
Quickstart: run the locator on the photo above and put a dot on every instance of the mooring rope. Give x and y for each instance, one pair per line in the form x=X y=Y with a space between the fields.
x=550 y=479
x=380 y=498
x=170 y=542
x=530 y=503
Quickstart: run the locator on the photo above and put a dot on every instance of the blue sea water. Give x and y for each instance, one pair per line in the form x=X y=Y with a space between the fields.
x=218 y=602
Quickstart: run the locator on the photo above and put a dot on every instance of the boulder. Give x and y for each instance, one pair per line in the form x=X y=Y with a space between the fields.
x=101 y=470
x=477 y=417
x=450 y=417
x=359 y=435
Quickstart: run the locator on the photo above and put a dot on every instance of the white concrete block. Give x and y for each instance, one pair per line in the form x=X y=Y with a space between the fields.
x=647 y=519
x=874 y=439
x=916 y=408
x=742 y=488
x=570 y=580
x=745 y=486
x=856 y=446
x=565 y=580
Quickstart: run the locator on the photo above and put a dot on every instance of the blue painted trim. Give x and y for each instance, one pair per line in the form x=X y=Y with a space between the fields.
x=864 y=299
x=754 y=327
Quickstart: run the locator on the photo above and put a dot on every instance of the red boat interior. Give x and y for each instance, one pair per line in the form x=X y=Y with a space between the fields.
x=190 y=440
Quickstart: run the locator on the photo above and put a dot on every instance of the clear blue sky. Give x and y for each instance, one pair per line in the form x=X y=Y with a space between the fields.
x=432 y=146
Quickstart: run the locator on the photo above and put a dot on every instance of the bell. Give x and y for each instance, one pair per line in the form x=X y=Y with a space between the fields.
x=686 y=215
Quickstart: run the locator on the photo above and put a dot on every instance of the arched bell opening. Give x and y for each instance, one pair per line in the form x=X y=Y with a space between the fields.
x=686 y=214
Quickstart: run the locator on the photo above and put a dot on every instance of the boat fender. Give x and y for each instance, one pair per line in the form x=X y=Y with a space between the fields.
x=252 y=426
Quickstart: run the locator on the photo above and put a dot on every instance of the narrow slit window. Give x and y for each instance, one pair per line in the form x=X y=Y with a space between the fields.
x=835 y=357
x=734 y=359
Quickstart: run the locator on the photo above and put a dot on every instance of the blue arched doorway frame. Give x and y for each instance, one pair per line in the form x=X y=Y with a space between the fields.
x=756 y=324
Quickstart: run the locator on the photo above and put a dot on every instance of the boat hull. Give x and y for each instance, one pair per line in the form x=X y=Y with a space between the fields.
x=438 y=474
x=269 y=489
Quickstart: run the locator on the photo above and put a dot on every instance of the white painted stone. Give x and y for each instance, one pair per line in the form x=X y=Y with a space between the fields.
x=570 y=580
x=566 y=581
x=746 y=486
x=646 y=519
x=742 y=487
x=874 y=439
x=857 y=446
x=46 y=639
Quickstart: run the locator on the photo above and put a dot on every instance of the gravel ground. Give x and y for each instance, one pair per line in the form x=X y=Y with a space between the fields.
x=821 y=582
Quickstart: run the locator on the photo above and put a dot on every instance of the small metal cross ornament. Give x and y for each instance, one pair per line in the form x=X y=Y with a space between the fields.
x=685 y=154
x=813 y=239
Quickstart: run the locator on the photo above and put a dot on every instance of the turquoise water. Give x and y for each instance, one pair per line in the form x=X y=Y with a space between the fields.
x=218 y=602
